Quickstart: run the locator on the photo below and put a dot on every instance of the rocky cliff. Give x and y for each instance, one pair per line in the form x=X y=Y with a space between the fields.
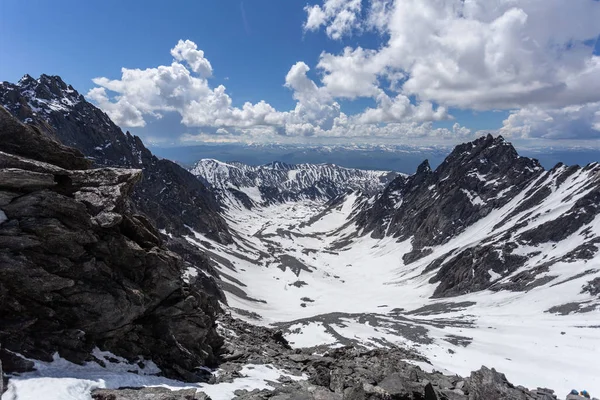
x=80 y=269
x=167 y=193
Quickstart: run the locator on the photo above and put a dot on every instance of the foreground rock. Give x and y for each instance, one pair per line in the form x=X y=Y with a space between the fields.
x=153 y=393
x=79 y=269
x=352 y=373
x=338 y=374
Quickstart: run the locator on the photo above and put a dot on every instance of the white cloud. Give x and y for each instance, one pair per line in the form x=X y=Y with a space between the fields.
x=532 y=56
x=339 y=16
x=188 y=51
x=121 y=112
x=400 y=109
x=151 y=92
x=473 y=54
x=352 y=74
x=573 y=122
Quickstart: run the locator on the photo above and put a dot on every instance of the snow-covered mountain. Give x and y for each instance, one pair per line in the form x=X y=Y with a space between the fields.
x=244 y=185
x=169 y=194
x=541 y=218
x=488 y=259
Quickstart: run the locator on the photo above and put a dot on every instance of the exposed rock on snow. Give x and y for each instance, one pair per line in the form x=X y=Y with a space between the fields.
x=350 y=373
x=79 y=269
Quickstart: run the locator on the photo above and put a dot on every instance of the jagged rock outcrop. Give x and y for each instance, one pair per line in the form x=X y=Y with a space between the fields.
x=80 y=269
x=167 y=193
x=434 y=206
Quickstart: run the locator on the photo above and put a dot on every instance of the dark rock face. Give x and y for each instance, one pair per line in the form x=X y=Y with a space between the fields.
x=167 y=193
x=592 y=287
x=80 y=269
x=436 y=205
x=39 y=145
x=469 y=270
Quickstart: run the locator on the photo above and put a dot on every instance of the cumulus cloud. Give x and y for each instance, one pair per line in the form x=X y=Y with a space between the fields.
x=183 y=87
x=573 y=122
x=475 y=54
x=176 y=88
x=339 y=17
x=188 y=51
x=121 y=112
x=536 y=56
x=401 y=109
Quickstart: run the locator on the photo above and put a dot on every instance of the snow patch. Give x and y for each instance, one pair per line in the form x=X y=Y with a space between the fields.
x=63 y=380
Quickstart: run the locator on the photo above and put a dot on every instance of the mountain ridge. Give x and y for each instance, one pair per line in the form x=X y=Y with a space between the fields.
x=61 y=112
x=244 y=185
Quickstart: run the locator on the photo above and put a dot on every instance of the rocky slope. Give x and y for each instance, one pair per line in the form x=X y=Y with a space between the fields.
x=80 y=269
x=247 y=186
x=167 y=193
x=342 y=373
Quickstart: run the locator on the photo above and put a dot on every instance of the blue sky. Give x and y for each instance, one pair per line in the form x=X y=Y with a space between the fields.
x=287 y=59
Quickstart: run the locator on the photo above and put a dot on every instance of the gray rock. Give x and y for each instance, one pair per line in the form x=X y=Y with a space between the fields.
x=79 y=269
x=18 y=179
x=487 y=384
x=151 y=393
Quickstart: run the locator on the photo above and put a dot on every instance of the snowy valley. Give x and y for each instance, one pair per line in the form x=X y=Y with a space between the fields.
x=528 y=296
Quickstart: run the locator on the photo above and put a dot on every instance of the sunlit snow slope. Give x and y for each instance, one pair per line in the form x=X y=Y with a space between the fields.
x=511 y=281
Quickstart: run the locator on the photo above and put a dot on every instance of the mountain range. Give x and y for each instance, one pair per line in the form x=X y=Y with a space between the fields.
x=487 y=259
x=279 y=182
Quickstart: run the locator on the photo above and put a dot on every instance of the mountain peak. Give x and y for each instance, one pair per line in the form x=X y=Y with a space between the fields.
x=26 y=80
x=486 y=150
x=424 y=168
x=39 y=98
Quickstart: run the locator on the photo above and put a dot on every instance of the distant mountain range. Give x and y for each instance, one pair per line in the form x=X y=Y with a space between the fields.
x=399 y=157
x=278 y=182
